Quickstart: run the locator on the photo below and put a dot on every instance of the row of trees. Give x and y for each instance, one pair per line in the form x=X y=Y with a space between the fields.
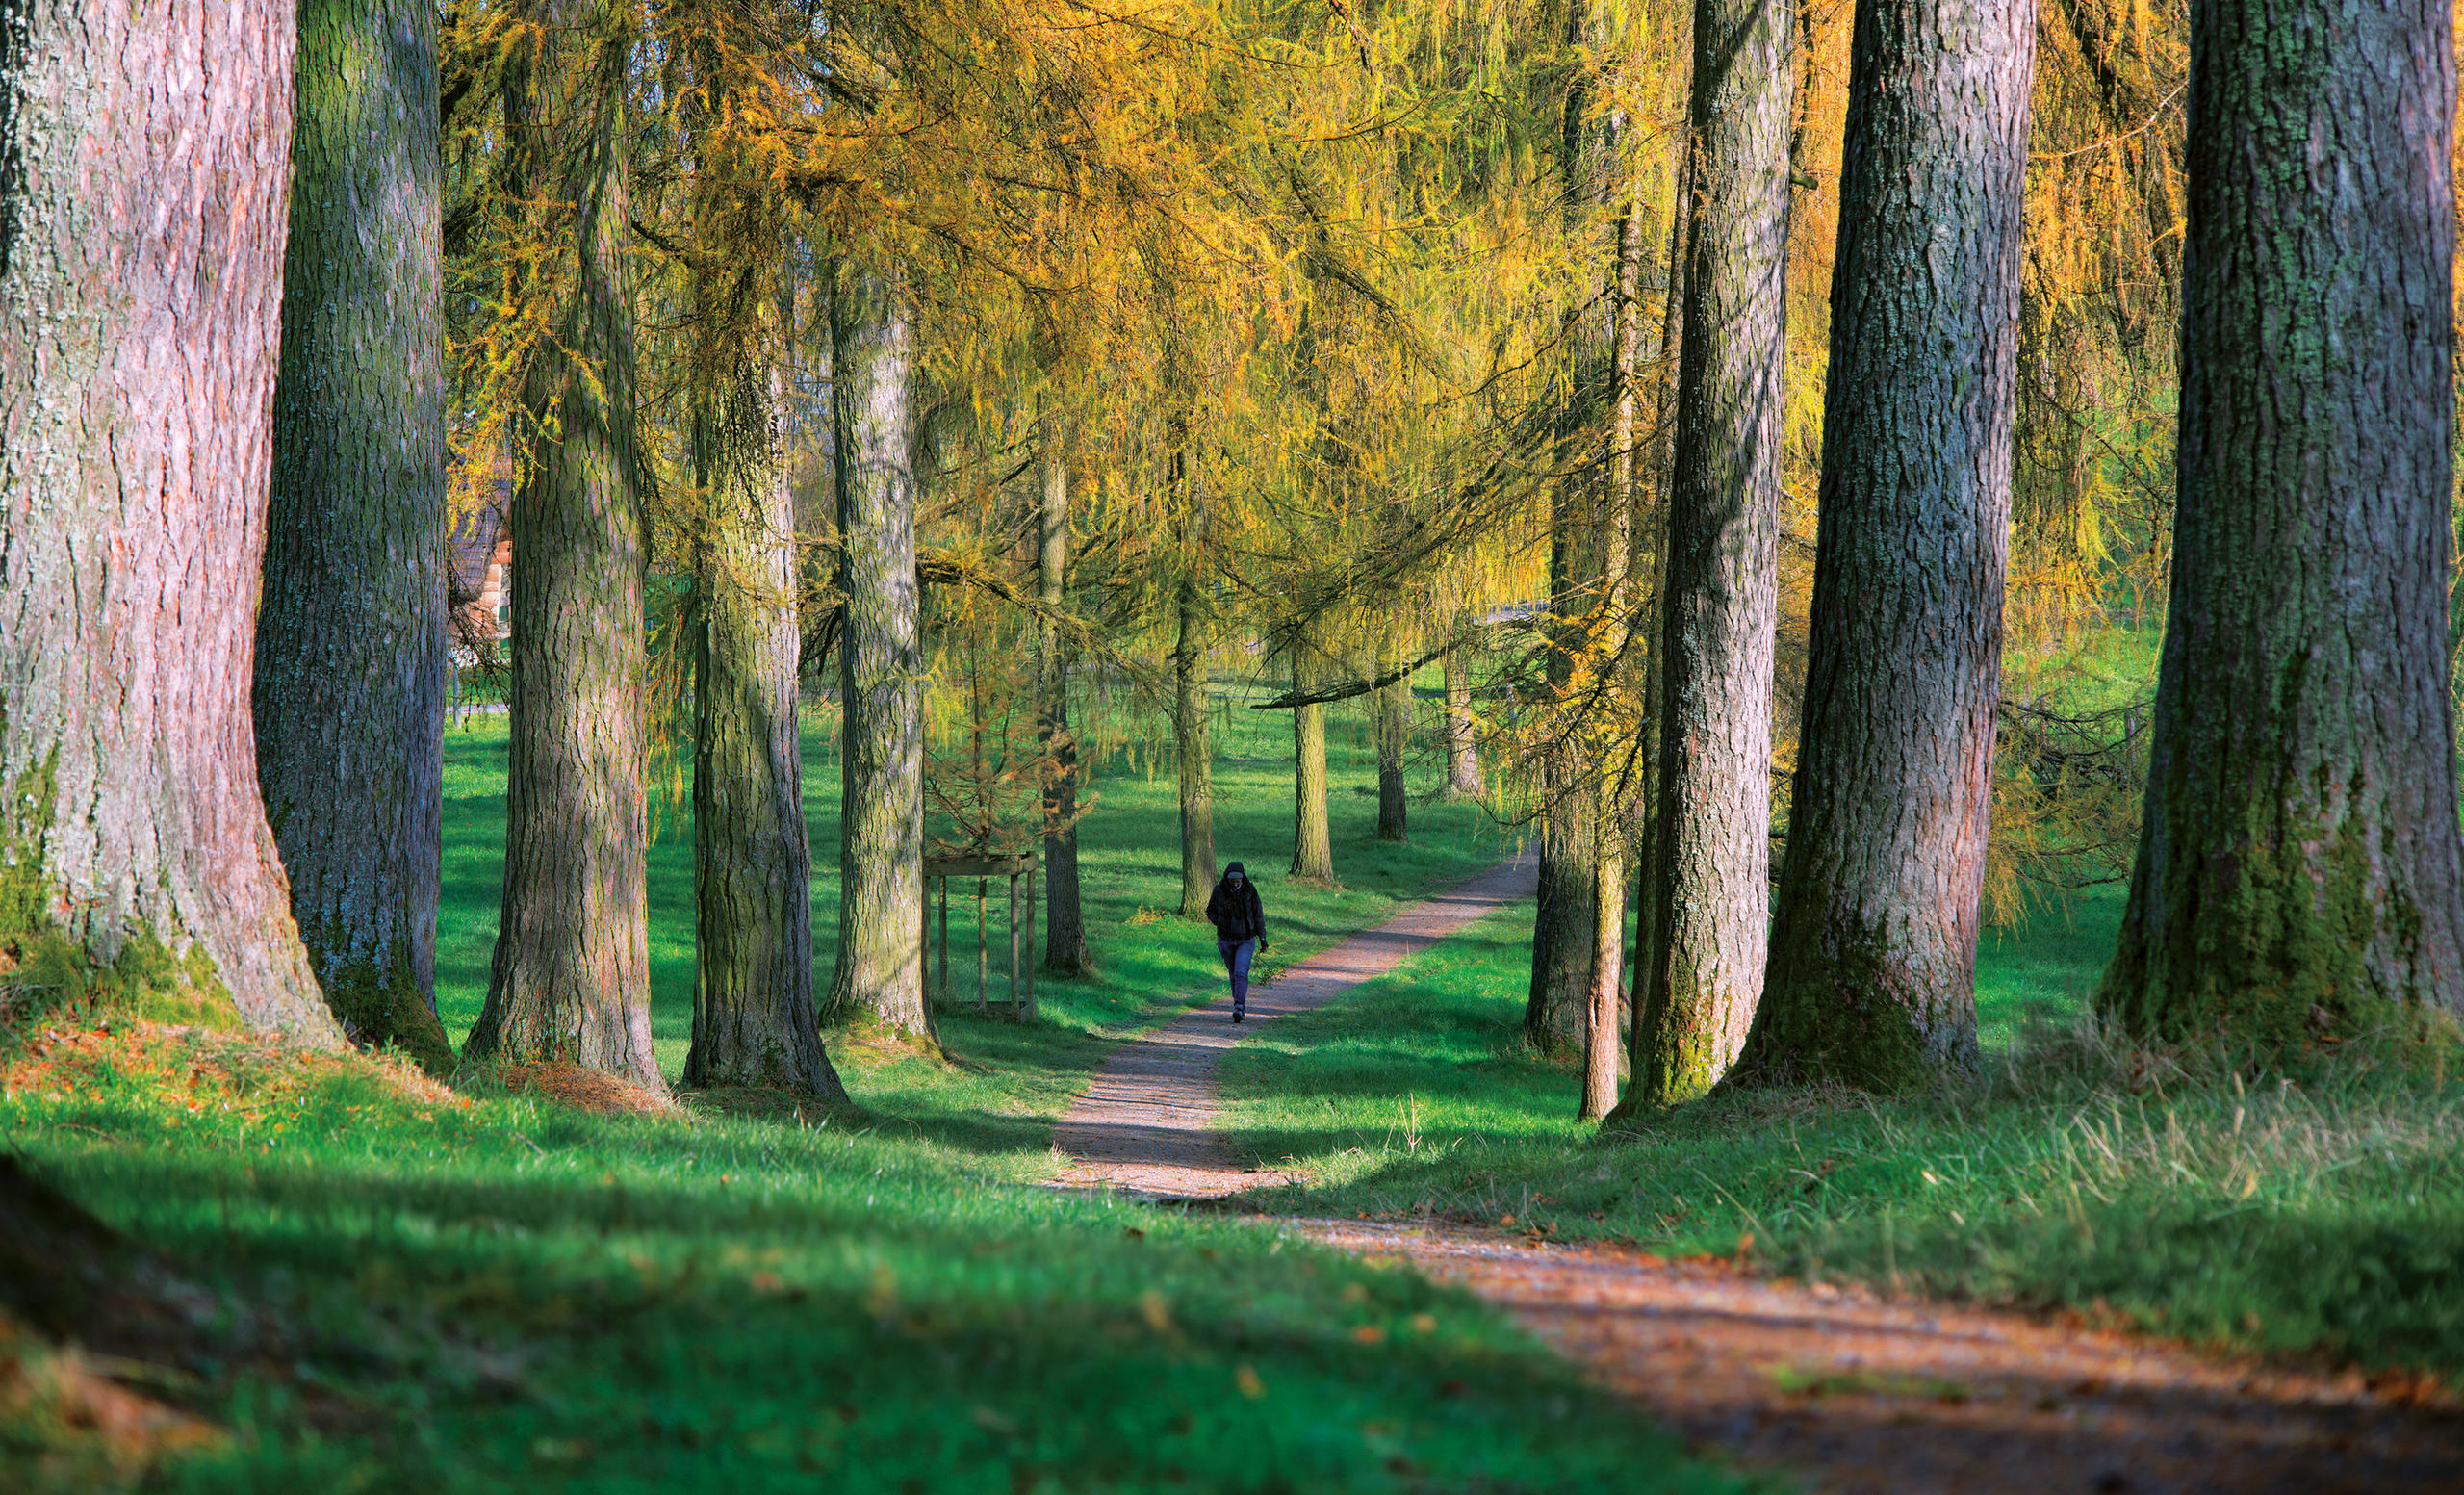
x=1337 y=332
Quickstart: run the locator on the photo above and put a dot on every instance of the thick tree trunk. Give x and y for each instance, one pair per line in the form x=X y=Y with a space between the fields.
x=754 y=1012
x=1313 y=845
x=2297 y=878
x=1710 y=888
x=142 y=202
x=349 y=685
x=1393 y=703
x=570 y=982
x=1462 y=748
x=1873 y=954
x=880 y=855
x=1066 y=936
x=1194 y=752
x=1556 y=1008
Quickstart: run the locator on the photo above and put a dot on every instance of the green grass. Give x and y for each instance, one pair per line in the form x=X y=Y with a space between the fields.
x=488 y=1292
x=2325 y=1217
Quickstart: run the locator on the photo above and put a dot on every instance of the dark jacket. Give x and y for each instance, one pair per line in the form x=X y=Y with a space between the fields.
x=1235 y=912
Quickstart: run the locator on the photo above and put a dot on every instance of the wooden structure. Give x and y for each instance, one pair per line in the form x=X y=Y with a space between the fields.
x=983 y=866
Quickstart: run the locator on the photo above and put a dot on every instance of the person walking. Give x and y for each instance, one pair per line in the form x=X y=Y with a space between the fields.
x=1240 y=923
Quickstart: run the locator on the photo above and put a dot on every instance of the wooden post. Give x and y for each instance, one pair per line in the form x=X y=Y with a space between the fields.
x=1017 y=1008
x=1031 y=937
x=983 y=950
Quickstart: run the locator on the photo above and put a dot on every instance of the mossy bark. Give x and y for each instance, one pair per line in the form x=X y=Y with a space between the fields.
x=2297 y=880
x=1064 y=946
x=1393 y=706
x=1710 y=888
x=1873 y=953
x=570 y=978
x=1462 y=747
x=880 y=977
x=755 y=1016
x=141 y=225
x=348 y=700
x=1557 y=1004
x=1194 y=751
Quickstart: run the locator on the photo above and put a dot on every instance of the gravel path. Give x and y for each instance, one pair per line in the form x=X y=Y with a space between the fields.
x=1834 y=1389
x=1146 y=1125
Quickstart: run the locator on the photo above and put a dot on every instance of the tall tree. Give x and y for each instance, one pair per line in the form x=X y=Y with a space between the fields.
x=1193 y=752
x=1313 y=846
x=2299 y=873
x=141 y=212
x=881 y=852
x=349 y=685
x=1873 y=954
x=1064 y=921
x=570 y=978
x=754 y=1012
x=1709 y=884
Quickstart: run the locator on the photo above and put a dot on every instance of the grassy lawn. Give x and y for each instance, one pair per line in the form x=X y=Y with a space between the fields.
x=2323 y=1218
x=1010 y=1080
x=481 y=1292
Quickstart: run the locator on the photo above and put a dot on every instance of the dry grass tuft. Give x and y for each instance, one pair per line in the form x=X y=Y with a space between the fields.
x=594 y=1091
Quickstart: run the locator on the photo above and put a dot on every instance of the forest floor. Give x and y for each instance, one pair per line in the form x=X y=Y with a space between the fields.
x=1842 y=1387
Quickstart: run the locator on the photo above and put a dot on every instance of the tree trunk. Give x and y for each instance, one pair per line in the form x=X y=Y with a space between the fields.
x=753 y=1014
x=1711 y=887
x=141 y=219
x=350 y=685
x=1393 y=703
x=1873 y=954
x=2297 y=879
x=1194 y=752
x=881 y=855
x=1557 y=1007
x=1606 y=1024
x=570 y=982
x=1313 y=845
x=1066 y=936
x=1462 y=749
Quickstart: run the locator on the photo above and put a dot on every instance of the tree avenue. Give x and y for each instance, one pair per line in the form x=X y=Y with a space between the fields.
x=1873 y=951
x=2297 y=881
x=141 y=287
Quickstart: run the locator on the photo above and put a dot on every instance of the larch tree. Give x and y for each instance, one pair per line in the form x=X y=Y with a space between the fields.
x=2297 y=881
x=879 y=978
x=1873 y=952
x=349 y=695
x=1313 y=845
x=144 y=199
x=1064 y=920
x=571 y=977
x=1708 y=888
x=1462 y=745
x=1194 y=751
x=1391 y=708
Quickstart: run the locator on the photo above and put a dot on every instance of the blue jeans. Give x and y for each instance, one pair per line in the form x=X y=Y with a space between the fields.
x=1236 y=959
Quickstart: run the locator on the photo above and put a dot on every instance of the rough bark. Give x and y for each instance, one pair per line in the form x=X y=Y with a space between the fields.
x=1462 y=748
x=753 y=1005
x=349 y=695
x=571 y=979
x=2297 y=879
x=145 y=172
x=1194 y=752
x=1313 y=845
x=1393 y=705
x=1711 y=883
x=1066 y=934
x=880 y=977
x=1873 y=952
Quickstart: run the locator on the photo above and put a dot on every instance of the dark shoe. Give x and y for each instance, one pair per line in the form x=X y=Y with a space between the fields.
x=1236 y=1015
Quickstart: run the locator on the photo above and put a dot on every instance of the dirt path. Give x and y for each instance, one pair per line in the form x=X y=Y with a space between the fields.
x=1146 y=1125
x=1835 y=1389
x=1857 y=1396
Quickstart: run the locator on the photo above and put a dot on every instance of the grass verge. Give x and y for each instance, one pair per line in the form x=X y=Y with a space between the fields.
x=2320 y=1218
x=483 y=1291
